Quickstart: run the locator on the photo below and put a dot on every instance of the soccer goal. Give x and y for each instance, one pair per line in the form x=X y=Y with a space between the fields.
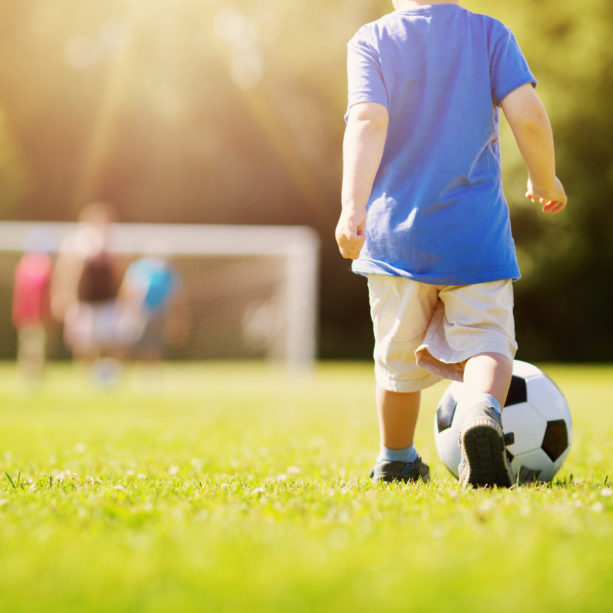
x=251 y=291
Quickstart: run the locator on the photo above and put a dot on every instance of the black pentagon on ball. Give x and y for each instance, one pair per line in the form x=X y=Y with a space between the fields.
x=518 y=391
x=555 y=441
x=446 y=411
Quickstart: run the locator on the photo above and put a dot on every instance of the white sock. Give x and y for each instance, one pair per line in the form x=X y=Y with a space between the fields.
x=481 y=401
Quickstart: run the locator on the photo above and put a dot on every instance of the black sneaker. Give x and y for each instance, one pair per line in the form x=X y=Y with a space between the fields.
x=484 y=461
x=400 y=471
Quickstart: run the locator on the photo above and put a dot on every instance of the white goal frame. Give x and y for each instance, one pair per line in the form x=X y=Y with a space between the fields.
x=297 y=245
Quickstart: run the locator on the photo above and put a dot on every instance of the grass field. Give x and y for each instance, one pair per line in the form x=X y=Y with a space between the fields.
x=232 y=487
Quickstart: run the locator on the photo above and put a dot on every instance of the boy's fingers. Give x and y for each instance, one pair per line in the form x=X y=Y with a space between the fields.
x=548 y=205
x=350 y=254
x=556 y=207
x=350 y=245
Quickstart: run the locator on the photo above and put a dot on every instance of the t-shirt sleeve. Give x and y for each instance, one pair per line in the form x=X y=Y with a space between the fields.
x=509 y=68
x=364 y=75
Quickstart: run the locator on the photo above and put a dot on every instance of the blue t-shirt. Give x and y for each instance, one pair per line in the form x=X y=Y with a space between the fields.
x=437 y=213
x=155 y=279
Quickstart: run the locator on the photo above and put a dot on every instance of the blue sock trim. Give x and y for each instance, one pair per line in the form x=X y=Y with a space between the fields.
x=408 y=454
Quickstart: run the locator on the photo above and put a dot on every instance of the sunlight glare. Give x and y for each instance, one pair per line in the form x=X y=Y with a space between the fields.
x=247 y=69
x=81 y=52
x=241 y=34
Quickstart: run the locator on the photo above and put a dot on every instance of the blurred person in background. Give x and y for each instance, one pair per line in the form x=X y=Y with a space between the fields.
x=31 y=309
x=84 y=291
x=152 y=310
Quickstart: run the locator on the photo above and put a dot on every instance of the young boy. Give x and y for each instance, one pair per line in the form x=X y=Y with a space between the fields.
x=424 y=218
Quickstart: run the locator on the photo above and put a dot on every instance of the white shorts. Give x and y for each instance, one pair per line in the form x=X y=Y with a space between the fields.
x=90 y=327
x=425 y=333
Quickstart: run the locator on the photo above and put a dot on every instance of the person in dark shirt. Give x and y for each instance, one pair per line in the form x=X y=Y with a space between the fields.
x=84 y=287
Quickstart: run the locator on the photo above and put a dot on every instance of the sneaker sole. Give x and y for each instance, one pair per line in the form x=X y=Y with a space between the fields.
x=485 y=458
x=422 y=475
x=394 y=478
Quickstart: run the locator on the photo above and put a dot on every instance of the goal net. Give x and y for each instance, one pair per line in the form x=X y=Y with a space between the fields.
x=249 y=291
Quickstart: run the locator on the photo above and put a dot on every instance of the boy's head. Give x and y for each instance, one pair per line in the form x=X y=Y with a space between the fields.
x=98 y=214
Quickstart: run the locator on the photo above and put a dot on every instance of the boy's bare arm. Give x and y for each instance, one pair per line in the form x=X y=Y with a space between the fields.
x=363 y=145
x=530 y=125
x=64 y=283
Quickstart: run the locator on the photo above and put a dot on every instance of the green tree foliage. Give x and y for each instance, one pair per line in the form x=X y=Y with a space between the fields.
x=565 y=298
x=231 y=112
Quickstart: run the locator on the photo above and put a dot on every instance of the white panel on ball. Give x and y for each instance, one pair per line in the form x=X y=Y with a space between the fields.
x=525 y=418
x=534 y=461
x=548 y=401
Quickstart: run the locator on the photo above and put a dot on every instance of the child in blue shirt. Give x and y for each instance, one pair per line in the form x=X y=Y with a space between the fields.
x=425 y=219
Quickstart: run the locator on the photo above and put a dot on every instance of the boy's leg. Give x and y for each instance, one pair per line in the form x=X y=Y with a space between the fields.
x=475 y=332
x=484 y=463
x=489 y=373
x=398 y=414
x=401 y=311
x=398 y=459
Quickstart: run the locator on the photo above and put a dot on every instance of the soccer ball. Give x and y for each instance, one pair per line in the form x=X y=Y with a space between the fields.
x=536 y=422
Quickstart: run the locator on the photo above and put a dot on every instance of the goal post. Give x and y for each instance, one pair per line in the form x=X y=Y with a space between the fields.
x=260 y=282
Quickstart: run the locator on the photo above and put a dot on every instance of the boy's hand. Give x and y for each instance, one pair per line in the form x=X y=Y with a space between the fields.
x=553 y=200
x=350 y=232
